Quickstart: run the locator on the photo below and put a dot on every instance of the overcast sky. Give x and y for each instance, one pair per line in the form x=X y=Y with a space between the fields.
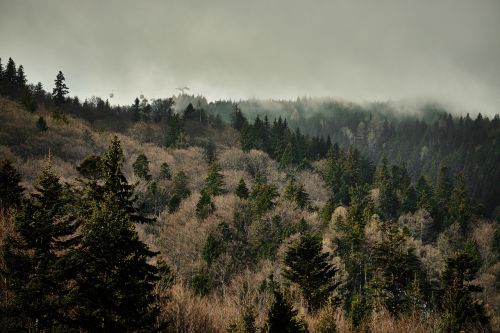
x=354 y=50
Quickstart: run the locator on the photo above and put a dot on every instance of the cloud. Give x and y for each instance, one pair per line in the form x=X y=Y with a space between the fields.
x=358 y=50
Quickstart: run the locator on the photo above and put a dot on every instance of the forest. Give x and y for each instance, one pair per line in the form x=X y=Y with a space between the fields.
x=181 y=215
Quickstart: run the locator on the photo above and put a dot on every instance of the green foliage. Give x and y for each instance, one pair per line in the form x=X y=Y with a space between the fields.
x=460 y=311
x=165 y=172
x=174 y=131
x=326 y=212
x=246 y=324
x=34 y=260
x=310 y=268
x=295 y=193
x=238 y=120
x=282 y=318
x=460 y=206
x=180 y=185
x=205 y=205
x=141 y=167
x=242 y=190
x=213 y=248
x=41 y=124
x=10 y=190
x=201 y=282
x=60 y=89
x=214 y=183
x=262 y=198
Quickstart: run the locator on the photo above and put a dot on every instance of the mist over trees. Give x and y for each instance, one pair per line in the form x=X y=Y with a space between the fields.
x=179 y=215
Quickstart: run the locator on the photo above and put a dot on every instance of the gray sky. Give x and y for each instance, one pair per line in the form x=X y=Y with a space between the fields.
x=355 y=50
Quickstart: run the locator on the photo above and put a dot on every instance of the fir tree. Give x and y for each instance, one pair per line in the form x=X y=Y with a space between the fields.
x=460 y=311
x=238 y=120
x=460 y=207
x=10 y=190
x=141 y=167
x=214 y=183
x=205 y=205
x=35 y=272
x=295 y=193
x=242 y=190
x=41 y=124
x=165 y=171
x=282 y=318
x=21 y=80
x=60 y=90
x=308 y=266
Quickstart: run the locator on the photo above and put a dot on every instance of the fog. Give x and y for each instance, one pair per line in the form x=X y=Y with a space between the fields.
x=362 y=51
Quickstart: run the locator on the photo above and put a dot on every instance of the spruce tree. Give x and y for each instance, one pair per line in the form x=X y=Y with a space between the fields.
x=460 y=310
x=60 y=89
x=214 y=183
x=141 y=167
x=205 y=205
x=113 y=281
x=10 y=77
x=309 y=267
x=282 y=317
x=10 y=190
x=165 y=171
x=242 y=190
x=295 y=193
x=460 y=206
x=238 y=120
x=34 y=268
x=41 y=124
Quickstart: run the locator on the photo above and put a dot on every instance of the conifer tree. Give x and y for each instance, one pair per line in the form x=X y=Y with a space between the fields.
x=282 y=317
x=214 y=183
x=21 y=80
x=242 y=190
x=238 y=120
x=10 y=77
x=10 y=190
x=60 y=89
x=205 y=205
x=41 y=124
x=113 y=281
x=141 y=167
x=460 y=207
x=308 y=266
x=295 y=192
x=460 y=310
x=165 y=171
x=35 y=272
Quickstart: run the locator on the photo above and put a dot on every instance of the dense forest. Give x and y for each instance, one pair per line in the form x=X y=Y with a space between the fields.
x=180 y=215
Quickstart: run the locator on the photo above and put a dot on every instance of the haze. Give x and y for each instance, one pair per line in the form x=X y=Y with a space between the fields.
x=354 y=50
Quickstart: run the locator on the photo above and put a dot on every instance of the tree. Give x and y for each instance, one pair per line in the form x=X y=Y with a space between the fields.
x=460 y=207
x=242 y=190
x=238 y=120
x=214 y=183
x=309 y=267
x=262 y=198
x=10 y=190
x=60 y=90
x=282 y=318
x=34 y=268
x=10 y=77
x=295 y=193
x=114 y=282
x=460 y=311
x=21 y=80
x=165 y=171
x=205 y=205
x=141 y=167
x=41 y=124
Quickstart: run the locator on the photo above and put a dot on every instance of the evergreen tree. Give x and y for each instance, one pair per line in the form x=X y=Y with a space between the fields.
x=136 y=110
x=141 y=167
x=21 y=80
x=460 y=311
x=308 y=266
x=242 y=190
x=282 y=318
x=205 y=205
x=41 y=124
x=34 y=270
x=60 y=90
x=262 y=198
x=238 y=120
x=295 y=193
x=214 y=183
x=10 y=190
x=113 y=281
x=174 y=131
x=165 y=171
x=460 y=207
x=10 y=77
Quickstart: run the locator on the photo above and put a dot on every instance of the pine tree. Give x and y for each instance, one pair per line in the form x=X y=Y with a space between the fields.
x=308 y=266
x=242 y=190
x=214 y=183
x=10 y=77
x=60 y=90
x=35 y=272
x=141 y=167
x=460 y=207
x=238 y=120
x=282 y=318
x=21 y=80
x=205 y=205
x=10 y=190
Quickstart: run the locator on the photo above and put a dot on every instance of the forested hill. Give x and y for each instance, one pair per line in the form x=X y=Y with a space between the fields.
x=178 y=215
